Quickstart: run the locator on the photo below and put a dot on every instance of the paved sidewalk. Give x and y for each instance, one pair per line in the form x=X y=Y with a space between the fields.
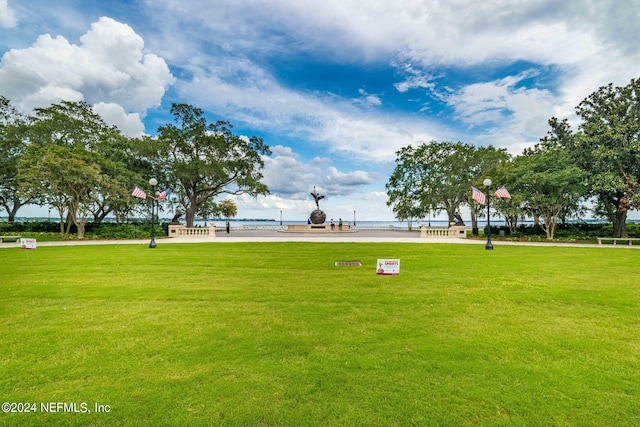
x=276 y=236
x=270 y=236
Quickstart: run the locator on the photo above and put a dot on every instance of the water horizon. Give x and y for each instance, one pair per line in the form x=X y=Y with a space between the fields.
x=266 y=222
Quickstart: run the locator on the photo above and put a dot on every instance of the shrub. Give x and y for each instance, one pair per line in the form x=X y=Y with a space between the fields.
x=131 y=230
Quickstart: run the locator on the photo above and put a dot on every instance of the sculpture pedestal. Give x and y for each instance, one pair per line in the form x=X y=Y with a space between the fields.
x=317 y=228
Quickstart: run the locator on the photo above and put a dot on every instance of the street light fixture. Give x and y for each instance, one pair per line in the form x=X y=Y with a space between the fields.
x=489 y=246
x=280 y=216
x=153 y=182
x=354 y=217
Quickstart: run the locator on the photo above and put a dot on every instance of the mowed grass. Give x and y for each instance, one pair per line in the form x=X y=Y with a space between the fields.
x=276 y=334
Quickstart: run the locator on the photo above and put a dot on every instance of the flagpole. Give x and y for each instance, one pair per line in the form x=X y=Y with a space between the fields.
x=489 y=246
x=153 y=182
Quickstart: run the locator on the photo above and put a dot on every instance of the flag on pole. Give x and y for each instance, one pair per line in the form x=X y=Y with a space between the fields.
x=163 y=195
x=139 y=193
x=478 y=196
x=503 y=193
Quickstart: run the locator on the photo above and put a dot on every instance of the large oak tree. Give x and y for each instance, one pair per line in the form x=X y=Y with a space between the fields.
x=76 y=163
x=13 y=126
x=437 y=176
x=202 y=160
x=608 y=147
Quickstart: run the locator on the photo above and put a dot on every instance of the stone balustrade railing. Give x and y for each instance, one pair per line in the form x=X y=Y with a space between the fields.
x=179 y=230
x=453 y=232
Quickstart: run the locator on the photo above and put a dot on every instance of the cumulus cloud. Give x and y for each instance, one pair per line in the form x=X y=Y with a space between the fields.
x=321 y=161
x=414 y=78
x=260 y=101
x=284 y=174
x=369 y=98
x=108 y=69
x=496 y=100
x=283 y=151
x=113 y=114
x=350 y=178
x=422 y=42
x=8 y=17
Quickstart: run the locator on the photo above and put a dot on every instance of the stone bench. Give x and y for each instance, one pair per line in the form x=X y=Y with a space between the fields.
x=14 y=238
x=615 y=240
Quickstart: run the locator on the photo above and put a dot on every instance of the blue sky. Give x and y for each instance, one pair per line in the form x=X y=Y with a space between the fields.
x=335 y=87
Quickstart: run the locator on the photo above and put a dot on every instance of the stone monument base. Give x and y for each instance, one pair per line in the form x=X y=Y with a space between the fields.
x=317 y=228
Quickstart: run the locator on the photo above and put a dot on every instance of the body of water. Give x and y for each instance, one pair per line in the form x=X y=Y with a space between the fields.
x=235 y=223
x=361 y=224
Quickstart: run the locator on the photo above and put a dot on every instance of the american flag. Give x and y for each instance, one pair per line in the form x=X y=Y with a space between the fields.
x=502 y=192
x=139 y=193
x=478 y=196
x=163 y=195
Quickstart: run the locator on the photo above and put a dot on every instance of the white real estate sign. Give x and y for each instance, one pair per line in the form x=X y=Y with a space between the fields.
x=28 y=243
x=388 y=267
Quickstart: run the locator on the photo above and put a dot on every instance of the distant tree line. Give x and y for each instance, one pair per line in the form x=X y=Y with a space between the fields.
x=597 y=165
x=67 y=158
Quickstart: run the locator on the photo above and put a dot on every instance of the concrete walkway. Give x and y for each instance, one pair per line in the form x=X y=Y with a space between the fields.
x=275 y=236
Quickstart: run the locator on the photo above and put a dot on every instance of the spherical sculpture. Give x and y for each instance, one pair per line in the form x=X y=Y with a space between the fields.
x=318 y=217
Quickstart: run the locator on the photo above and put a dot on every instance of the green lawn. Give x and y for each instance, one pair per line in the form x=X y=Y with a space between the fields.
x=275 y=334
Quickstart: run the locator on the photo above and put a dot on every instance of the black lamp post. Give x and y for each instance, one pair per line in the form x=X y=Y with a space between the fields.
x=280 y=216
x=153 y=182
x=354 y=217
x=489 y=246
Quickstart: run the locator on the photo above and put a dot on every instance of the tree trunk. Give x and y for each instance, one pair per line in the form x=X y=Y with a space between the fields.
x=190 y=214
x=549 y=226
x=101 y=214
x=512 y=222
x=12 y=210
x=12 y=214
x=620 y=224
x=450 y=214
x=80 y=226
x=474 y=222
x=61 y=214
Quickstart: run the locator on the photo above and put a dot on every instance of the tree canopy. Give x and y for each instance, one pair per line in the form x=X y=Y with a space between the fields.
x=65 y=156
x=12 y=147
x=437 y=176
x=608 y=148
x=203 y=160
x=549 y=182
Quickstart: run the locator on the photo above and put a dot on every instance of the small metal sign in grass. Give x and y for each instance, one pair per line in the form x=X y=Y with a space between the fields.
x=348 y=264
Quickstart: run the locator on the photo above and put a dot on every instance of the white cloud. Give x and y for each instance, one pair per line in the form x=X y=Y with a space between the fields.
x=583 y=42
x=109 y=67
x=321 y=161
x=495 y=101
x=347 y=183
x=369 y=206
x=455 y=32
x=415 y=78
x=8 y=17
x=283 y=151
x=285 y=175
x=258 y=100
x=369 y=98
x=113 y=114
x=516 y=116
